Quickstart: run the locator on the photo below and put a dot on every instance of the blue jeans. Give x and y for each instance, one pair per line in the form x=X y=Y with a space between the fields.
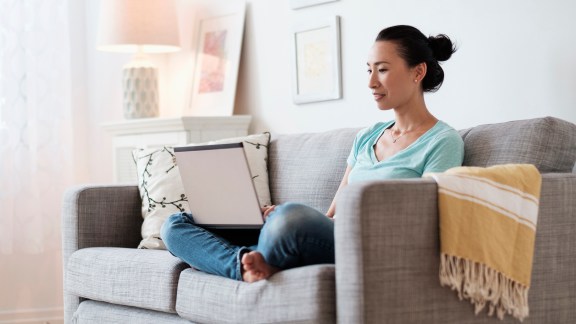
x=293 y=235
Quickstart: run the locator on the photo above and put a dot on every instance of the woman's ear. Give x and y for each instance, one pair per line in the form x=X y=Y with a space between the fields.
x=420 y=71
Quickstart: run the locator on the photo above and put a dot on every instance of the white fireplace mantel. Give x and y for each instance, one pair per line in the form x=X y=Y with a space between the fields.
x=132 y=134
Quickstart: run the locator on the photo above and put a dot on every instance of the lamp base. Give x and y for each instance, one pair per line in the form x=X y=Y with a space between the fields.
x=140 y=91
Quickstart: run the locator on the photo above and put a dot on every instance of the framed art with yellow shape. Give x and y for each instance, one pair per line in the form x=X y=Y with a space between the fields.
x=316 y=61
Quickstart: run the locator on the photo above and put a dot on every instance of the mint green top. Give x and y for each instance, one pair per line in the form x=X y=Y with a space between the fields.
x=437 y=150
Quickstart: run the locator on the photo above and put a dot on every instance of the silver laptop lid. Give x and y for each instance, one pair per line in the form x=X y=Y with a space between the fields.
x=219 y=186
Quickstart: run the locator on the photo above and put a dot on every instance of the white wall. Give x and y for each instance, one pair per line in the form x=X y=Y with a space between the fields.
x=515 y=61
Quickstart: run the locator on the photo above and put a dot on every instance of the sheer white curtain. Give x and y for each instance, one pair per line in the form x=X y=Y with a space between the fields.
x=36 y=161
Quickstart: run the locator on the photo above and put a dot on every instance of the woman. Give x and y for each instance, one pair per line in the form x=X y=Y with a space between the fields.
x=402 y=65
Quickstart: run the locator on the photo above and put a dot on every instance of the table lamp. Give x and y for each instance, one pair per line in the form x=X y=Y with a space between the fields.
x=140 y=27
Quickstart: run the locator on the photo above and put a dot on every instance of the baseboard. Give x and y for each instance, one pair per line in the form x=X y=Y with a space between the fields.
x=51 y=315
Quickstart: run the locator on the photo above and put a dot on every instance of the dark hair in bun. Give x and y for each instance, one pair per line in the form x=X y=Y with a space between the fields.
x=415 y=48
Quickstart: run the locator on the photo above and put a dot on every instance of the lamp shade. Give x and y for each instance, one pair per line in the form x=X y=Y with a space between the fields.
x=130 y=26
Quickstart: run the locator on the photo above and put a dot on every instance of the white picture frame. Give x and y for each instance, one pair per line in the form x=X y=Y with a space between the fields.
x=297 y=4
x=215 y=75
x=316 y=61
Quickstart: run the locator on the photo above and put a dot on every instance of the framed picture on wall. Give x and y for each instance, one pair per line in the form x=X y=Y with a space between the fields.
x=218 y=47
x=297 y=4
x=316 y=61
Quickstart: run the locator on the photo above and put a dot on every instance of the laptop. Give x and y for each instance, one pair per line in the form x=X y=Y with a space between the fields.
x=219 y=187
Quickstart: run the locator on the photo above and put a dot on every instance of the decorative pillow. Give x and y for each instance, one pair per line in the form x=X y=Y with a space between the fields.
x=162 y=191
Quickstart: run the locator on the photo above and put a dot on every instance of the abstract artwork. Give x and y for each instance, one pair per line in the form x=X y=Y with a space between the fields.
x=215 y=72
x=213 y=69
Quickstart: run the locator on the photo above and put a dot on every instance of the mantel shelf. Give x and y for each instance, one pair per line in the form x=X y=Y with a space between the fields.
x=173 y=124
x=132 y=134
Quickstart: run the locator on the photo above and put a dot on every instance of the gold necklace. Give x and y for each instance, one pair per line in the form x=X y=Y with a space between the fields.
x=392 y=131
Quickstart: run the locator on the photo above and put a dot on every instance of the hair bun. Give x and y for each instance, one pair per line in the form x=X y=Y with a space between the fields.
x=442 y=47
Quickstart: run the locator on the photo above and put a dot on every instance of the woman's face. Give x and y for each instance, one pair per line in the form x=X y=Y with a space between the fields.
x=392 y=81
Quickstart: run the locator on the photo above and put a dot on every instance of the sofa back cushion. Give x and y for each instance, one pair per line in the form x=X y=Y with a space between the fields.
x=308 y=168
x=549 y=143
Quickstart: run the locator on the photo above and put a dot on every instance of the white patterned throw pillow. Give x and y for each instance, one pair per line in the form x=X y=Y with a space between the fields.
x=162 y=191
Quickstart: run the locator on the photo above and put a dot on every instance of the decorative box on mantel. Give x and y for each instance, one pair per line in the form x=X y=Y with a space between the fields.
x=159 y=132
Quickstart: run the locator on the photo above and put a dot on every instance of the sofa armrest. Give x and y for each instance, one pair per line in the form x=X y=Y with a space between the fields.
x=386 y=234
x=387 y=255
x=98 y=216
x=101 y=216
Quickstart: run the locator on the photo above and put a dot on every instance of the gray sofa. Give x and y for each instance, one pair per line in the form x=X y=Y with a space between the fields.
x=387 y=249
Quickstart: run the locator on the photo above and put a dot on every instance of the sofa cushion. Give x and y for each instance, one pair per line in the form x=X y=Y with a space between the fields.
x=548 y=143
x=132 y=277
x=300 y=295
x=308 y=168
x=95 y=312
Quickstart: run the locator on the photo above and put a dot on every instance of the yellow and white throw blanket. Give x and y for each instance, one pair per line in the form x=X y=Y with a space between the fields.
x=488 y=222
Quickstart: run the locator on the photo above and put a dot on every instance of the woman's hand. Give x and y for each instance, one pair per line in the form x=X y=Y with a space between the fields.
x=266 y=210
x=332 y=210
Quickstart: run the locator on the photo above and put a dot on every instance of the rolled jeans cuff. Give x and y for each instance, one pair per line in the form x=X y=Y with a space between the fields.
x=239 y=255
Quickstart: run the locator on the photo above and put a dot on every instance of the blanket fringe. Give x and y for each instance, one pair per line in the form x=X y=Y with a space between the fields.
x=483 y=285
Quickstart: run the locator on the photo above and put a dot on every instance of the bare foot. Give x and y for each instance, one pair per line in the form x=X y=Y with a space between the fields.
x=255 y=267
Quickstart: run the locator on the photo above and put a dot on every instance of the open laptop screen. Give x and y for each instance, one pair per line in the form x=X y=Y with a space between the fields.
x=219 y=186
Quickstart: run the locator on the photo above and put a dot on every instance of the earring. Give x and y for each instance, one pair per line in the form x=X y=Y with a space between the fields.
x=416 y=80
